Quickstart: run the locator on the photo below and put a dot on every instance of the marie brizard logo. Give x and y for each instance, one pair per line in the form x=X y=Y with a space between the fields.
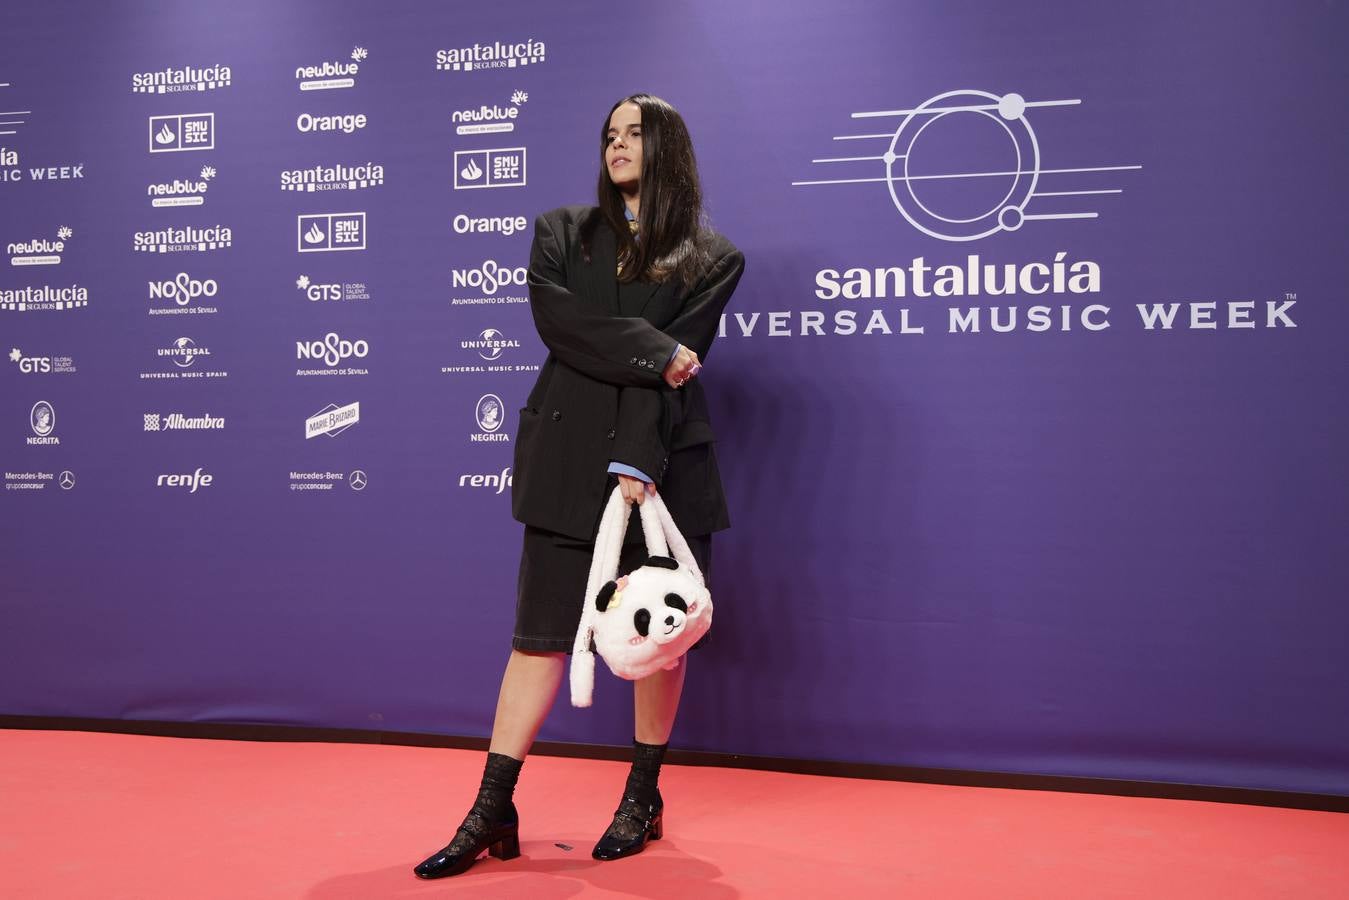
x=997 y=171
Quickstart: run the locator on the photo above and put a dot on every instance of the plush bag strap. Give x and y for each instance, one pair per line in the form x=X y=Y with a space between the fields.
x=659 y=529
x=603 y=567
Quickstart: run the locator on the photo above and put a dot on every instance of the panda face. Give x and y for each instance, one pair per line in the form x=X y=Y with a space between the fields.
x=674 y=614
x=649 y=604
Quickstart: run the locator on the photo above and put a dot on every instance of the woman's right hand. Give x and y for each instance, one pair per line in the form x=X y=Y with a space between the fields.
x=634 y=489
x=684 y=366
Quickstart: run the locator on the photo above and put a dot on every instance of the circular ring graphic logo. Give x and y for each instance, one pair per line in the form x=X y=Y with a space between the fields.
x=43 y=418
x=67 y=480
x=986 y=139
x=357 y=480
x=489 y=413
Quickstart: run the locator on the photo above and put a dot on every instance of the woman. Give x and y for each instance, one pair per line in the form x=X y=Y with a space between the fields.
x=627 y=296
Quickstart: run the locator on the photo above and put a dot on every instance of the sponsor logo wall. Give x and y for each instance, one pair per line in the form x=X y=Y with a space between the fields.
x=1033 y=351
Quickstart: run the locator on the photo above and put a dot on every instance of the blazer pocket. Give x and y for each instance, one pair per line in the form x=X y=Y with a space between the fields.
x=690 y=434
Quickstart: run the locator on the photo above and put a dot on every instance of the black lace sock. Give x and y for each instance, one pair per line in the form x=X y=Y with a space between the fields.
x=646 y=760
x=641 y=798
x=493 y=806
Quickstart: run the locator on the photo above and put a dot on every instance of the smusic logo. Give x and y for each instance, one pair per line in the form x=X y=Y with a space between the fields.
x=187 y=78
x=330 y=231
x=190 y=131
x=489 y=168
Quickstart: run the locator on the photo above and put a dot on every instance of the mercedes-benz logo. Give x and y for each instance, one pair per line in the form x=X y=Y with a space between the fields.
x=357 y=480
x=67 y=480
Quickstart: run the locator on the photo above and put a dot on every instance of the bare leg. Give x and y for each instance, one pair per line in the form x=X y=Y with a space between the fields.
x=528 y=689
x=655 y=700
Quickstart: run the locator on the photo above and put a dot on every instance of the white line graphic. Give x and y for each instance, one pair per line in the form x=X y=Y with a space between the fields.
x=1013 y=142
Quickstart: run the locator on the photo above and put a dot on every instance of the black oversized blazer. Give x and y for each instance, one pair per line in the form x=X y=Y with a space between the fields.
x=600 y=395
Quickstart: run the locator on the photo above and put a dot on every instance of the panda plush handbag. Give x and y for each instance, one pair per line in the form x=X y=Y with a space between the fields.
x=646 y=620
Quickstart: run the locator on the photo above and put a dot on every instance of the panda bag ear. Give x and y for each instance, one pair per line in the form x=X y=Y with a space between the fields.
x=605 y=595
x=661 y=562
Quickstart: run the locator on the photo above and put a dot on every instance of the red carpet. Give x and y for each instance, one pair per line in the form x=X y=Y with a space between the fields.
x=122 y=816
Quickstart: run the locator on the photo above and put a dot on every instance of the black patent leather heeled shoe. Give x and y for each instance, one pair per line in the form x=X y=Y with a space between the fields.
x=635 y=823
x=501 y=839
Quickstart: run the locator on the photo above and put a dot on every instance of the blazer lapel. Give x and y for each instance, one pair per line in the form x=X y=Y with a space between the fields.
x=603 y=262
x=602 y=281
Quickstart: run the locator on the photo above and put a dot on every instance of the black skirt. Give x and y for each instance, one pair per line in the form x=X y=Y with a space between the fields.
x=551 y=588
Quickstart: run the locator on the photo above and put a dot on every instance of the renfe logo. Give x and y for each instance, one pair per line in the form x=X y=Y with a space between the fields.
x=192 y=482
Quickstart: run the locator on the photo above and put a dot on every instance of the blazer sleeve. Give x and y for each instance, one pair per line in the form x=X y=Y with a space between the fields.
x=645 y=418
x=644 y=430
x=619 y=350
x=699 y=318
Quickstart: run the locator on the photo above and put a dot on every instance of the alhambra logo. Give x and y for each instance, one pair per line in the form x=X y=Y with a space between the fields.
x=1006 y=188
x=188 y=239
x=181 y=191
x=492 y=119
x=39 y=251
x=337 y=177
x=495 y=55
x=332 y=74
x=190 y=131
x=187 y=78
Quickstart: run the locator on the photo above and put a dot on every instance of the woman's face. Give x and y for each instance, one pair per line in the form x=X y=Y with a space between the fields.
x=623 y=152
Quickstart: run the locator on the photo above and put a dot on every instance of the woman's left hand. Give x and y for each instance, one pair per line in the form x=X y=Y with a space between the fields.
x=634 y=489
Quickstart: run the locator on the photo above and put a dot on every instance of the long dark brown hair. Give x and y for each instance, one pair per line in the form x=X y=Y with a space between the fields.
x=674 y=235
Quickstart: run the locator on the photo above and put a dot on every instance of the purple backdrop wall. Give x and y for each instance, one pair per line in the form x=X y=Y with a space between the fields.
x=1085 y=546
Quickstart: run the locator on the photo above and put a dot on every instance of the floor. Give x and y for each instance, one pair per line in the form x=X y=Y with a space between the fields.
x=109 y=816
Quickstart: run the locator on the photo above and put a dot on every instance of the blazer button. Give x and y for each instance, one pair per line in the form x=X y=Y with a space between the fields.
x=557 y=415
x=633 y=360
x=610 y=435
